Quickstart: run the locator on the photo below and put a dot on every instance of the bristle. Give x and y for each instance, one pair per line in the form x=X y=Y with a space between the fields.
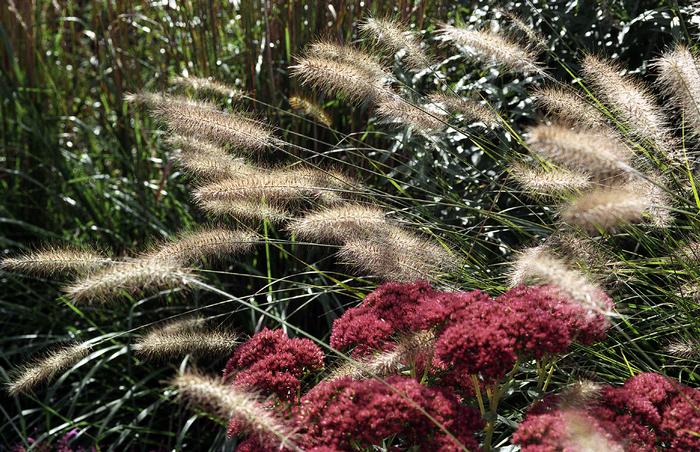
x=130 y=278
x=205 y=244
x=603 y=158
x=246 y=211
x=407 y=349
x=579 y=395
x=349 y=81
x=362 y=61
x=538 y=266
x=208 y=161
x=679 y=77
x=554 y=183
x=271 y=188
x=685 y=349
x=202 y=120
x=492 y=48
x=535 y=39
x=208 y=87
x=569 y=107
x=396 y=109
x=228 y=401
x=658 y=211
x=50 y=261
x=397 y=255
x=41 y=370
x=391 y=35
x=606 y=209
x=470 y=109
x=634 y=105
x=309 y=108
x=184 y=337
x=339 y=224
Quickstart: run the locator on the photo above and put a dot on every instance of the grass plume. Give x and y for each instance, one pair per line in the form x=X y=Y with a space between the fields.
x=543 y=182
x=339 y=224
x=569 y=107
x=606 y=209
x=50 y=261
x=680 y=80
x=189 y=336
x=310 y=109
x=208 y=87
x=228 y=401
x=206 y=243
x=389 y=34
x=470 y=109
x=43 y=369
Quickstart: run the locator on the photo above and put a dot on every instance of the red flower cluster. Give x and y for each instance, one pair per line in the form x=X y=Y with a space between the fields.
x=646 y=412
x=272 y=363
x=345 y=412
x=477 y=334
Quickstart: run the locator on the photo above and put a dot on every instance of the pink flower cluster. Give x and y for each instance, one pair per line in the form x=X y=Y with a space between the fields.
x=272 y=363
x=647 y=412
x=477 y=334
x=338 y=413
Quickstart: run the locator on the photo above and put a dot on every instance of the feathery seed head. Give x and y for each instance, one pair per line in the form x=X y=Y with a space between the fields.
x=569 y=107
x=601 y=156
x=606 y=209
x=189 y=336
x=536 y=40
x=204 y=244
x=206 y=160
x=339 y=224
x=492 y=48
x=407 y=349
x=135 y=277
x=686 y=349
x=468 y=108
x=311 y=109
x=679 y=78
x=391 y=35
x=630 y=100
x=351 y=56
x=202 y=120
x=208 y=87
x=397 y=255
x=246 y=211
x=537 y=265
x=394 y=108
x=345 y=80
x=43 y=369
x=581 y=394
x=554 y=183
x=228 y=401
x=51 y=261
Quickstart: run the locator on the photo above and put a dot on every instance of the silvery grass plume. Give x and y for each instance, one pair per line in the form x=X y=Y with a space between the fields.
x=584 y=435
x=391 y=35
x=580 y=395
x=208 y=87
x=406 y=350
x=227 y=401
x=365 y=62
x=43 y=369
x=685 y=349
x=135 y=277
x=247 y=211
x=202 y=120
x=275 y=187
x=584 y=251
x=604 y=158
x=397 y=109
x=50 y=261
x=206 y=160
x=493 y=48
x=549 y=183
x=348 y=80
x=469 y=109
x=310 y=109
x=207 y=243
x=607 y=209
x=654 y=189
x=680 y=80
x=396 y=254
x=185 y=337
x=630 y=100
x=341 y=223
x=537 y=265
x=535 y=39
x=569 y=107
